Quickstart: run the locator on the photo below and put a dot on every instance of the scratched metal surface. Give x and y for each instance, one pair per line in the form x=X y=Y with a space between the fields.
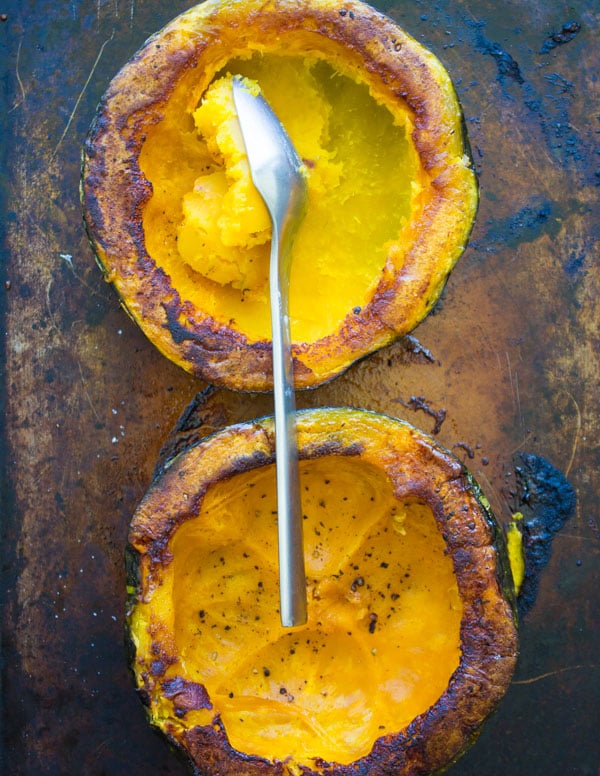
x=88 y=403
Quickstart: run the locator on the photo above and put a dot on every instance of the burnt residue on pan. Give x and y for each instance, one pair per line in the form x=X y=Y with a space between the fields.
x=546 y=500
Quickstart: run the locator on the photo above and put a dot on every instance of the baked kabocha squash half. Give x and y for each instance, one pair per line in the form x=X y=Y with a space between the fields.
x=184 y=236
x=411 y=637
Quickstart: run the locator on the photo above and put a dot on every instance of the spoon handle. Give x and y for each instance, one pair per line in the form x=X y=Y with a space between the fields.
x=276 y=172
x=292 y=581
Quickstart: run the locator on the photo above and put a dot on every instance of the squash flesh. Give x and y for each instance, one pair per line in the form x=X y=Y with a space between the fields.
x=225 y=220
x=359 y=202
x=383 y=636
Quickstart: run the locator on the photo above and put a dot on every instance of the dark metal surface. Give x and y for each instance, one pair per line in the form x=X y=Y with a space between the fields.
x=512 y=359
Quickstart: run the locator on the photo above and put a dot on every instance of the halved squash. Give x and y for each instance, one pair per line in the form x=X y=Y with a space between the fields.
x=184 y=238
x=411 y=637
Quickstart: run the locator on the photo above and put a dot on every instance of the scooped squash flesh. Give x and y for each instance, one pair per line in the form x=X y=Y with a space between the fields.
x=392 y=195
x=411 y=637
x=358 y=202
x=384 y=631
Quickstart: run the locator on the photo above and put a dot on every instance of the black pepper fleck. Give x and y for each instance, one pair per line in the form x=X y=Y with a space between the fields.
x=358 y=582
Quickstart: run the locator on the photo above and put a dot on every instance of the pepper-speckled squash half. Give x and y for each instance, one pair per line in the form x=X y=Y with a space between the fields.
x=406 y=572
x=404 y=86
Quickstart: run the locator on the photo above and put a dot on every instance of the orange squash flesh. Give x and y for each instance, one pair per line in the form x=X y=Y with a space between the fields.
x=411 y=633
x=332 y=688
x=358 y=202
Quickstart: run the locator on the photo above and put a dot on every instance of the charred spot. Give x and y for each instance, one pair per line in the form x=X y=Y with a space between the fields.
x=210 y=339
x=466 y=447
x=333 y=447
x=210 y=745
x=158 y=667
x=462 y=559
x=414 y=351
x=506 y=65
x=417 y=403
x=547 y=500
x=186 y=696
x=566 y=34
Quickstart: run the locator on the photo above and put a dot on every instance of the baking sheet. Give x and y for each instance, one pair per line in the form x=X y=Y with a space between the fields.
x=508 y=361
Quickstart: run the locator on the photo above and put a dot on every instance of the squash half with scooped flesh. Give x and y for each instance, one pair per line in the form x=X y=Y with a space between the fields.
x=411 y=638
x=184 y=237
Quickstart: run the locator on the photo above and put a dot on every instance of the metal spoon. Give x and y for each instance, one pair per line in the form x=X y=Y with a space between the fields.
x=276 y=172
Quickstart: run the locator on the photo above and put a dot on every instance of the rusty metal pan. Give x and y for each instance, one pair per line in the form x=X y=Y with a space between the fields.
x=507 y=364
